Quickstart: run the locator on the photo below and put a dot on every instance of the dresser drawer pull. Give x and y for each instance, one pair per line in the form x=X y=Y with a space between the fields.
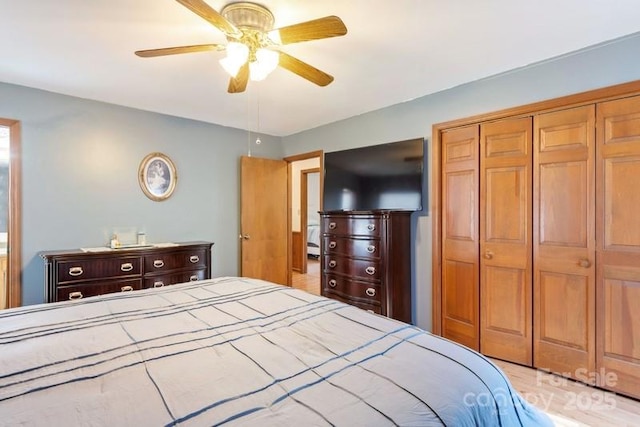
x=194 y=259
x=332 y=245
x=76 y=271
x=371 y=227
x=158 y=263
x=126 y=266
x=371 y=292
x=333 y=283
x=370 y=270
x=371 y=249
x=158 y=284
x=332 y=225
x=126 y=288
x=332 y=263
x=193 y=278
x=75 y=295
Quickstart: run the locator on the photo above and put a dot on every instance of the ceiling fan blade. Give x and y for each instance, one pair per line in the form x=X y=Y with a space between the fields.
x=150 y=53
x=238 y=83
x=203 y=10
x=322 y=28
x=304 y=70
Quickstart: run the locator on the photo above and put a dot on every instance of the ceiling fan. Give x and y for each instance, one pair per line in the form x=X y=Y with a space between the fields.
x=252 y=48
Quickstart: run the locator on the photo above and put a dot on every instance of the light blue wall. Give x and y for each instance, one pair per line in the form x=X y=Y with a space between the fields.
x=600 y=66
x=80 y=163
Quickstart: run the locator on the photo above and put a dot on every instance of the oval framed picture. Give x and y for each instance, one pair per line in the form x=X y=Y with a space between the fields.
x=157 y=176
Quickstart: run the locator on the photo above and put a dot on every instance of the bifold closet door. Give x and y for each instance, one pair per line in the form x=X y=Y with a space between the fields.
x=564 y=241
x=618 y=231
x=505 y=240
x=460 y=202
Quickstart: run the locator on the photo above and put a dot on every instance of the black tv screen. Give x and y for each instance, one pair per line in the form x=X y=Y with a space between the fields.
x=377 y=177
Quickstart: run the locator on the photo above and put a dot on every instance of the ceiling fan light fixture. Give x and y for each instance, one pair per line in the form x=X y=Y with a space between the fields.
x=266 y=61
x=274 y=36
x=237 y=55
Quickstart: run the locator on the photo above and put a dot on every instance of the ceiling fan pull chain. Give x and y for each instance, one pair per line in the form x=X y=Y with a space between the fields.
x=248 y=125
x=258 y=141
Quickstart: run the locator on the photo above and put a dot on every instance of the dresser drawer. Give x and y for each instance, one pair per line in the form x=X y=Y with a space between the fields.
x=372 y=308
x=359 y=268
x=162 y=280
x=173 y=260
x=363 y=226
x=82 y=270
x=364 y=248
x=353 y=289
x=84 y=290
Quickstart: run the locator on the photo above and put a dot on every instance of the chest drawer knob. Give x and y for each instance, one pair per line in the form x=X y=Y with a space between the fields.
x=333 y=283
x=371 y=292
x=332 y=245
x=193 y=278
x=126 y=288
x=194 y=259
x=332 y=226
x=75 y=295
x=371 y=249
x=371 y=227
x=370 y=270
x=332 y=263
x=158 y=263
x=75 y=271
x=127 y=266
x=158 y=284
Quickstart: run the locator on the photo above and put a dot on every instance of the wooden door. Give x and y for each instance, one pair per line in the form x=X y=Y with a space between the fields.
x=564 y=241
x=618 y=231
x=505 y=240
x=264 y=219
x=460 y=201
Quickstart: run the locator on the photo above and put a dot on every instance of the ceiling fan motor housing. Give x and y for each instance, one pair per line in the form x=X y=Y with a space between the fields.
x=246 y=15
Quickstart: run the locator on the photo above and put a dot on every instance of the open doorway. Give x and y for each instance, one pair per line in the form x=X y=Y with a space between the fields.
x=305 y=175
x=10 y=214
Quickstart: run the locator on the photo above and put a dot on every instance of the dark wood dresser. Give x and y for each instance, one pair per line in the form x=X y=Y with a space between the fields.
x=74 y=274
x=366 y=260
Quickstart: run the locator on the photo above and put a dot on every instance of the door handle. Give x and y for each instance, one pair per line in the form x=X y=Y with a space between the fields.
x=488 y=255
x=244 y=237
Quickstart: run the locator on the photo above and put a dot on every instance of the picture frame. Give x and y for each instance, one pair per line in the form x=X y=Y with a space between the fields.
x=157 y=176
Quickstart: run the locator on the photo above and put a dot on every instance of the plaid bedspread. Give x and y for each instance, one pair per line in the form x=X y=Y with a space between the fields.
x=235 y=351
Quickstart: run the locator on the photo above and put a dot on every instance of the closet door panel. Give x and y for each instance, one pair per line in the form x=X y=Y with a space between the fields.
x=460 y=274
x=564 y=241
x=618 y=228
x=505 y=240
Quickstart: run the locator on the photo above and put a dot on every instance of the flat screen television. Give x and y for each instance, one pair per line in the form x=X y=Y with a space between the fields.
x=377 y=177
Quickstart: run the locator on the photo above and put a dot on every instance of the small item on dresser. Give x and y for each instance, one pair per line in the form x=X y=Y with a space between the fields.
x=142 y=239
x=114 y=242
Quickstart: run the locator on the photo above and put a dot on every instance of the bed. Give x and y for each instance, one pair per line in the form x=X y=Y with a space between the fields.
x=234 y=351
x=313 y=240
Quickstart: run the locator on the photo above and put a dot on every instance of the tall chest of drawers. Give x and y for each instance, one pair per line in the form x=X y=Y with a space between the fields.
x=71 y=274
x=366 y=260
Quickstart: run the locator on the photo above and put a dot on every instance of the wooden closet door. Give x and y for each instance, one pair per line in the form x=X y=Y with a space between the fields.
x=618 y=231
x=505 y=240
x=564 y=242
x=460 y=293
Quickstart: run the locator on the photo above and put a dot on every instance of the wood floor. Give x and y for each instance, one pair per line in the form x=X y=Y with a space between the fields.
x=309 y=282
x=569 y=403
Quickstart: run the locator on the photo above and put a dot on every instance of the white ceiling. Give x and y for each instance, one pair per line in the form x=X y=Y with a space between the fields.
x=394 y=51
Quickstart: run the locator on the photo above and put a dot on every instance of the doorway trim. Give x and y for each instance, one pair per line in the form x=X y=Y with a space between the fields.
x=14 y=243
x=304 y=156
x=304 y=201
